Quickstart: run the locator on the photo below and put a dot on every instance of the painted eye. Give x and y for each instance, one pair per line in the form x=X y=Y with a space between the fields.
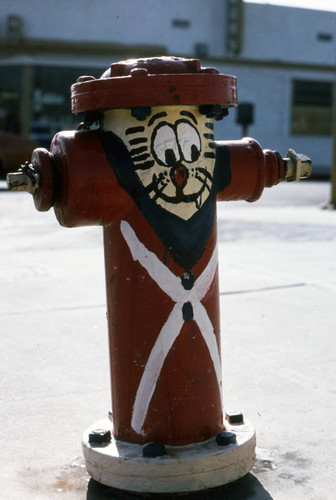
x=189 y=141
x=164 y=145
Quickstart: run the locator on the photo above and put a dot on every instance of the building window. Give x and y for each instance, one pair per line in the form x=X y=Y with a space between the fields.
x=181 y=23
x=201 y=49
x=50 y=104
x=325 y=37
x=10 y=96
x=311 y=107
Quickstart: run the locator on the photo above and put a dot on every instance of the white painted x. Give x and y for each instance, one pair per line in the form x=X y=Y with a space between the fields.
x=173 y=287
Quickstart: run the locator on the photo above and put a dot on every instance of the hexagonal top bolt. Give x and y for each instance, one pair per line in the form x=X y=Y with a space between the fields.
x=25 y=179
x=297 y=166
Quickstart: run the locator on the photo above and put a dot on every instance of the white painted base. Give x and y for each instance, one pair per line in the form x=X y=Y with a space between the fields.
x=193 y=467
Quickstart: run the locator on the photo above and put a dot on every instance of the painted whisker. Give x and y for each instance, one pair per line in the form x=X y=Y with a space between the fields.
x=145 y=165
x=209 y=154
x=138 y=140
x=134 y=130
x=140 y=158
x=202 y=180
x=205 y=173
x=209 y=136
x=136 y=151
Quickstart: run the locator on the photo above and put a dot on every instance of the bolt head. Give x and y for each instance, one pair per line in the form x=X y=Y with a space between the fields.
x=234 y=417
x=225 y=438
x=153 y=450
x=100 y=436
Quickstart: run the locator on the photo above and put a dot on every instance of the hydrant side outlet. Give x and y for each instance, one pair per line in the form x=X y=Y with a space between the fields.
x=85 y=181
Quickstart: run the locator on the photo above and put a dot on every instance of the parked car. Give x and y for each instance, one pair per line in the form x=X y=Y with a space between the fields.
x=14 y=151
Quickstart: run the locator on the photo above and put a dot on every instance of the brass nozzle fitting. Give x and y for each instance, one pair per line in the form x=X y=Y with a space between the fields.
x=25 y=179
x=297 y=166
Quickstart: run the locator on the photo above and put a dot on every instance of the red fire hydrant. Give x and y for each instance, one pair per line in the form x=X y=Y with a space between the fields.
x=151 y=173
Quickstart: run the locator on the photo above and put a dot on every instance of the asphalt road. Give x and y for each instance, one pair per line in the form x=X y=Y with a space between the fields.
x=278 y=300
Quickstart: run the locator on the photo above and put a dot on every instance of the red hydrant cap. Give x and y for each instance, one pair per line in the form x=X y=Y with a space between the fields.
x=157 y=81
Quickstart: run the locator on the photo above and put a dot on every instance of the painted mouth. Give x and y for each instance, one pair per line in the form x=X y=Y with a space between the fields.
x=179 y=178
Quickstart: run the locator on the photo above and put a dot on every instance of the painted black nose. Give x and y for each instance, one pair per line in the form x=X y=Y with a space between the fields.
x=179 y=176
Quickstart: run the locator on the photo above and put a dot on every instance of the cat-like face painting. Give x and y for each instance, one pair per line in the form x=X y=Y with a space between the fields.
x=173 y=154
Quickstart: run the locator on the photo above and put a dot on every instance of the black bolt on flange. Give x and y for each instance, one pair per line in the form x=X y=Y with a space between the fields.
x=153 y=450
x=100 y=436
x=234 y=417
x=225 y=438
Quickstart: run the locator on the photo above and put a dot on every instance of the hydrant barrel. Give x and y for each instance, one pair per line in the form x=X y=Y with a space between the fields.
x=165 y=362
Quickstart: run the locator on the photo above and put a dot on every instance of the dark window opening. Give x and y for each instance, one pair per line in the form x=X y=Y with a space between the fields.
x=201 y=50
x=312 y=107
x=50 y=106
x=181 y=23
x=10 y=90
x=325 y=37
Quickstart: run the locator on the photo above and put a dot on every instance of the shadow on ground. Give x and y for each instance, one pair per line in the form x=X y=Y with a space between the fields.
x=246 y=488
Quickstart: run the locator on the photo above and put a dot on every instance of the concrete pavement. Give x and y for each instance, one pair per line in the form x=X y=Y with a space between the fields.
x=278 y=299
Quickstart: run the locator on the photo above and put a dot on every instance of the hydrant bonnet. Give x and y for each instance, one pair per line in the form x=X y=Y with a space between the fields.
x=166 y=81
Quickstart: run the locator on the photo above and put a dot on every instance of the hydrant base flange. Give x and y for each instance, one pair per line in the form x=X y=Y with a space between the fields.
x=197 y=466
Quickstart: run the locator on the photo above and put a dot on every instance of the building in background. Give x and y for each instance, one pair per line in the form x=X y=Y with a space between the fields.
x=284 y=59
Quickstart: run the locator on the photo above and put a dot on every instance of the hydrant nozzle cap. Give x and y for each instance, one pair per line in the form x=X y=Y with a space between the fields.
x=156 y=81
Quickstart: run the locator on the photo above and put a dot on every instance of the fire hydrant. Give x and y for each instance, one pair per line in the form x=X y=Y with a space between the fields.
x=144 y=164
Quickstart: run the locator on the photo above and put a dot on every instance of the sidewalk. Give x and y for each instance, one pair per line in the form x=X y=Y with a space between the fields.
x=278 y=299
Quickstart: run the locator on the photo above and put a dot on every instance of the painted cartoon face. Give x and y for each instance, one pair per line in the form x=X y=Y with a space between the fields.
x=173 y=154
